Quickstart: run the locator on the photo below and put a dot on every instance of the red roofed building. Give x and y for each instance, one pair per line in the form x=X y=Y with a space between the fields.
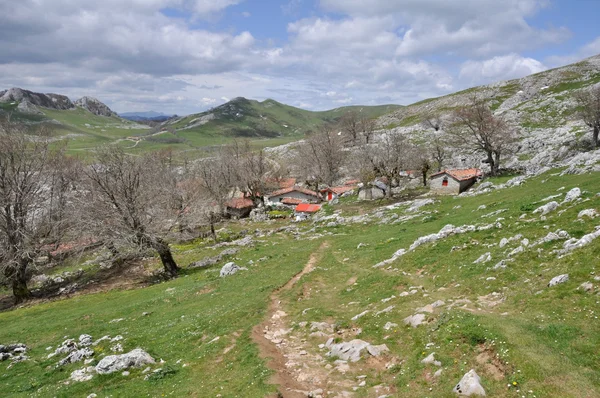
x=291 y=201
x=303 y=194
x=307 y=208
x=333 y=193
x=239 y=207
x=453 y=182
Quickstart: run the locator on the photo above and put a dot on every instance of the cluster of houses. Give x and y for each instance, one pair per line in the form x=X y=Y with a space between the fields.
x=305 y=202
x=288 y=194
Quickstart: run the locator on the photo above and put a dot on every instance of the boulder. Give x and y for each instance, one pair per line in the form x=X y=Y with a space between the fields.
x=116 y=363
x=558 y=280
x=230 y=269
x=547 y=208
x=414 y=320
x=470 y=385
x=572 y=195
x=586 y=287
x=591 y=213
x=352 y=350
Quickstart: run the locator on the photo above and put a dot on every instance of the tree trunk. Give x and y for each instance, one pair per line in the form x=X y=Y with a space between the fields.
x=490 y=161
x=164 y=251
x=212 y=231
x=496 y=167
x=595 y=136
x=19 y=285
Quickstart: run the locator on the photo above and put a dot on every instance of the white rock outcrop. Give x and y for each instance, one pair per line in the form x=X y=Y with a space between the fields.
x=557 y=280
x=115 y=363
x=547 y=208
x=470 y=385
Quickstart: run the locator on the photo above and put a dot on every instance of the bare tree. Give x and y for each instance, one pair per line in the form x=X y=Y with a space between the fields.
x=589 y=105
x=321 y=157
x=131 y=201
x=350 y=125
x=367 y=128
x=252 y=169
x=432 y=120
x=33 y=188
x=436 y=148
x=217 y=177
x=475 y=127
x=387 y=159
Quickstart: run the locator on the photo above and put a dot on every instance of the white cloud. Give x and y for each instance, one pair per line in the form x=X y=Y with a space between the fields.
x=588 y=50
x=506 y=67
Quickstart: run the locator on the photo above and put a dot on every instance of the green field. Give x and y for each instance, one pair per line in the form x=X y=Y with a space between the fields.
x=522 y=338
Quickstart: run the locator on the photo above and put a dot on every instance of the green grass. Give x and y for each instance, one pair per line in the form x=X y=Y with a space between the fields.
x=543 y=339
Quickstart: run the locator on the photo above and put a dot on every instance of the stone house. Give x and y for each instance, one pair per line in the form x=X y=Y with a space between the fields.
x=305 y=210
x=333 y=193
x=303 y=194
x=239 y=207
x=453 y=182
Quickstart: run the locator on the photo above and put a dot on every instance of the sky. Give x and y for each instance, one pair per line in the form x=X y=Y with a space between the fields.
x=186 y=56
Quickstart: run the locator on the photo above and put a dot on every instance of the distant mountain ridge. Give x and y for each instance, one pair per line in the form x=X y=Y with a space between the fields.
x=146 y=116
x=28 y=101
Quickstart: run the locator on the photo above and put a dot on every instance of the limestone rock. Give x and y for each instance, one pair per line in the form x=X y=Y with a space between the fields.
x=76 y=356
x=84 y=374
x=586 y=287
x=95 y=106
x=352 y=350
x=414 y=320
x=591 y=213
x=470 y=385
x=547 y=208
x=572 y=195
x=230 y=269
x=484 y=258
x=115 y=363
x=558 y=280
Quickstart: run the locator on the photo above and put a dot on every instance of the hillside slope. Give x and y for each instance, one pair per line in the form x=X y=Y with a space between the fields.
x=242 y=117
x=542 y=106
x=470 y=273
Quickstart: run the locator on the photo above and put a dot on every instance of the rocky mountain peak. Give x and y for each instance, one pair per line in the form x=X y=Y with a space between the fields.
x=95 y=106
x=52 y=101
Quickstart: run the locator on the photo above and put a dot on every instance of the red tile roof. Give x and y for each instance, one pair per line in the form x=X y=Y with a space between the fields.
x=296 y=189
x=291 y=201
x=338 y=190
x=307 y=208
x=460 y=175
x=351 y=182
x=239 y=203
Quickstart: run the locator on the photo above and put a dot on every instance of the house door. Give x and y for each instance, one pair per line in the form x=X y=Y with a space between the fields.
x=445 y=182
x=330 y=196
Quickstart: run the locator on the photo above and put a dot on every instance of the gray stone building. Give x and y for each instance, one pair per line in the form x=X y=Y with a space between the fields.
x=453 y=182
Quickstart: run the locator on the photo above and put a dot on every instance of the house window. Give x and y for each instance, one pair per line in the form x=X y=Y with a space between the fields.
x=445 y=182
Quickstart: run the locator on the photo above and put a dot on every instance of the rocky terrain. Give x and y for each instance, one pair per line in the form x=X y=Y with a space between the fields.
x=542 y=107
x=28 y=100
x=95 y=106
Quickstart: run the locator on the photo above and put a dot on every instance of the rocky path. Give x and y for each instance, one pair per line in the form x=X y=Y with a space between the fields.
x=298 y=373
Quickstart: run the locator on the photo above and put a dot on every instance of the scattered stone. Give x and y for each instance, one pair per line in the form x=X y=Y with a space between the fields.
x=356 y=317
x=230 y=269
x=558 y=280
x=469 y=385
x=85 y=340
x=547 y=208
x=591 y=213
x=572 y=195
x=115 y=363
x=84 y=374
x=586 y=287
x=351 y=351
x=430 y=359
x=390 y=325
x=76 y=356
x=516 y=251
x=414 y=320
x=386 y=310
x=503 y=243
x=484 y=258
x=585 y=240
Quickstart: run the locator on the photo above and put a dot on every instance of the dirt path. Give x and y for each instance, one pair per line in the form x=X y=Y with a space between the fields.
x=296 y=371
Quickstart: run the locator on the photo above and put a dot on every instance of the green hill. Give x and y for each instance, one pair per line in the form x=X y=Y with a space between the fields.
x=267 y=123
